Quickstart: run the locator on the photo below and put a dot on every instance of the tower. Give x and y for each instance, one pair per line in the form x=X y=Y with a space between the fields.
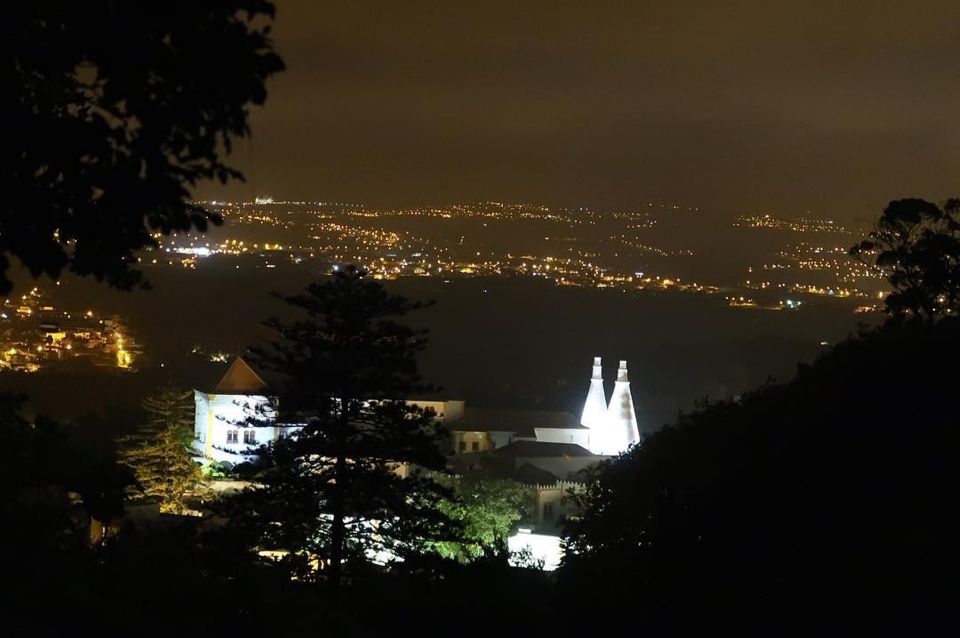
x=227 y=420
x=595 y=408
x=621 y=420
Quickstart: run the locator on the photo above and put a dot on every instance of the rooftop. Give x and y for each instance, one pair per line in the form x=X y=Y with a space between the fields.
x=533 y=475
x=240 y=379
x=521 y=422
x=541 y=449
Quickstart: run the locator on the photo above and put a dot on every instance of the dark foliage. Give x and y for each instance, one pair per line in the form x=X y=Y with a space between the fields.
x=354 y=486
x=116 y=110
x=916 y=245
x=829 y=503
x=50 y=493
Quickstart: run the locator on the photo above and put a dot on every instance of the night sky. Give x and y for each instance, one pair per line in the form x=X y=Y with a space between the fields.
x=828 y=107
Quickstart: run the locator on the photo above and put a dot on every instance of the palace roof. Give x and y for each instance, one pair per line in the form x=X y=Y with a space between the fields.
x=241 y=379
x=540 y=449
x=520 y=422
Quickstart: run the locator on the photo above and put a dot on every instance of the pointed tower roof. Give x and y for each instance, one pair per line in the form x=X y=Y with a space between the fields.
x=621 y=423
x=595 y=407
x=240 y=379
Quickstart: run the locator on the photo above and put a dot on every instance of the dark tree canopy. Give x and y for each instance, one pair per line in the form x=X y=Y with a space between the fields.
x=826 y=499
x=50 y=490
x=349 y=343
x=916 y=245
x=117 y=109
x=354 y=487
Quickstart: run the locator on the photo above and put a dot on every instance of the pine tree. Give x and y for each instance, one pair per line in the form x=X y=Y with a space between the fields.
x=159 y=452
x=354 y=487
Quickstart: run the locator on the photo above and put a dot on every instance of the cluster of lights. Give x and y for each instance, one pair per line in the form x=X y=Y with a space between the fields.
x=635 y=243
x=796 y=225
x=378 y=240
x=36 y=333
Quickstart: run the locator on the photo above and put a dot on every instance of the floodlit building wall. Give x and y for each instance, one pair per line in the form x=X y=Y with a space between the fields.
x=541 y=547
x=552 y=502
x=548 y=505
x=464 y=442
x=493 y=440
x=216 y=416
x=445 y=411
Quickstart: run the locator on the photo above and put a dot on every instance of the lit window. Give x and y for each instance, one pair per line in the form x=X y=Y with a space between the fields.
x=232 y=436
x=250 y=437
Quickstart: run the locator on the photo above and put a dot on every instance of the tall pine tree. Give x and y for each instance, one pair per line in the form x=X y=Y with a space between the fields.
x=354 y=487
x=159 y=452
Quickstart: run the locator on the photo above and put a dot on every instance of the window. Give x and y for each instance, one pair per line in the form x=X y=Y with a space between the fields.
x=475 y=446
x=548 y=511
x=250 y=437
x=231 y=436
x=463 y=446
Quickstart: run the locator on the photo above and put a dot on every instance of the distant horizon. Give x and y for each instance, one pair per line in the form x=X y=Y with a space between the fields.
x=790 y=214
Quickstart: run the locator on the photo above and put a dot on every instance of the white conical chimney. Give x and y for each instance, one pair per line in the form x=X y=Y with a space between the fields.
x=621 y=419
x=595 y=408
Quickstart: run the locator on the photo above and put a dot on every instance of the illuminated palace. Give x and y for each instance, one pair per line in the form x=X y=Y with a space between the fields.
x=545 y=450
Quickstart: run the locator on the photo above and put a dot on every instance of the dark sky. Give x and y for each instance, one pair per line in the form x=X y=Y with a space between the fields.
x=832 y=107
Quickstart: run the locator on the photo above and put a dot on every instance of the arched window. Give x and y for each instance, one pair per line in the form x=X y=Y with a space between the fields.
x=232 y=436
x=250 y=436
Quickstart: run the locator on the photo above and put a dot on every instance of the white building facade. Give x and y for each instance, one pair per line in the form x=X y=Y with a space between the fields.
x=236 y=418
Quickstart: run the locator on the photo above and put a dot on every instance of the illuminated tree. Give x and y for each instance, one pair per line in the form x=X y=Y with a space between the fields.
x=117 y=110
x=488 y=510
x=354 y=487
x=916 y=246
x=159 y=452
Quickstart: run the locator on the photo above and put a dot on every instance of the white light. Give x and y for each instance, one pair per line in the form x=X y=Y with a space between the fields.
x=543 y=548
x=199 y=252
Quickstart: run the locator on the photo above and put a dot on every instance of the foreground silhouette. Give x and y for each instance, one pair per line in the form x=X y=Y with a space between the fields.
x=828 y=503
x=118 y=110
x=353 y=488
x=915 y=245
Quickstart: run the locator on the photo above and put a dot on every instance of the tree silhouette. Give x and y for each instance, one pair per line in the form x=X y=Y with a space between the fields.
x=811 y=504
x=159 y=452
x=118 y=110
x=50 y=493
x=352 y=488
x=916 y=246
